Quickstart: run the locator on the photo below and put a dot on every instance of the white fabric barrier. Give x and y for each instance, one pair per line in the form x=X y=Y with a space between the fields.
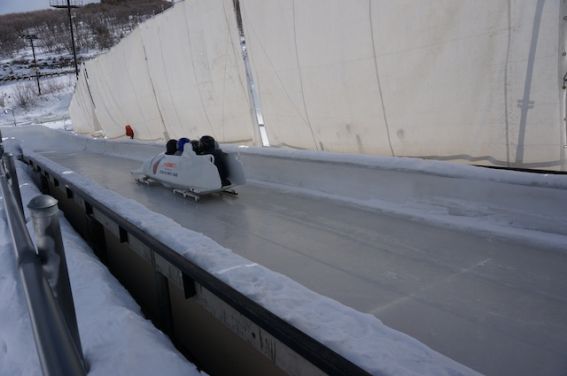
x=195 y=62
x=81 y=108
x=458 y=80
x=473 y=81
x=179 y=74
x=122 y=91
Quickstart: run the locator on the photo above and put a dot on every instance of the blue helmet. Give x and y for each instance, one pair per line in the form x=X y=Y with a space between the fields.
x=181 y=143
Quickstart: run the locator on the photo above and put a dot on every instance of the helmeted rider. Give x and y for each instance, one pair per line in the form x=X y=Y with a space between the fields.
x=208 y=145
x=171 y=147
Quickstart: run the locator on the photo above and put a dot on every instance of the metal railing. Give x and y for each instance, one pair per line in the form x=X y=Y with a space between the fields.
x=43 y=274
x=34 y=76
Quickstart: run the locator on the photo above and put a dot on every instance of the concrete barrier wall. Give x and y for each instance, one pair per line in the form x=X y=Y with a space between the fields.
x=464 y=196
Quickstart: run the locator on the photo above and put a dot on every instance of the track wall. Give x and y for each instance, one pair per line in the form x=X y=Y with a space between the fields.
x=473 y=81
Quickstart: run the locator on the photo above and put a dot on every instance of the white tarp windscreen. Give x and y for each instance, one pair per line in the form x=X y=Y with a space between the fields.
x=81 y=108
x=122 y=91
x=195 y=62
x=179 y=74
x=472 y=80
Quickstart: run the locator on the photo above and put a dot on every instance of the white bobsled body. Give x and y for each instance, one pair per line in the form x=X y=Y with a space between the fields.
x=190 y=173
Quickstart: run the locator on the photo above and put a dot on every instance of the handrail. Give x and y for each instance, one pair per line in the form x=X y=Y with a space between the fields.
x=55 y=344
x=306 y=346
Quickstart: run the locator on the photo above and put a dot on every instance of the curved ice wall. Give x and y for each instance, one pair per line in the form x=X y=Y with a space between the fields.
x=475 y=81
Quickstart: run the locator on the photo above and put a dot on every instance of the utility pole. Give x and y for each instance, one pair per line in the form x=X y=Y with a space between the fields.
x=31 y=38
x=68 y=5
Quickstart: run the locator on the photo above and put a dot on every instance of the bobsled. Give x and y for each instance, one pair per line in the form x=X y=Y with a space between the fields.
x=192 y=175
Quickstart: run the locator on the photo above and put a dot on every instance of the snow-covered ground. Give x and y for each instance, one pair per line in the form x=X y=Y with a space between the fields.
x=116 y=338
x=49 y=109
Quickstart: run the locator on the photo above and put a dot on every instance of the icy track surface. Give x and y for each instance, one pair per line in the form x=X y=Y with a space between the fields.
x=359 y=337
x=498 y=307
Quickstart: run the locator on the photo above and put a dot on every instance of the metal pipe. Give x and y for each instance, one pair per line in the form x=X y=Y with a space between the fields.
x=255 y=105
x=36 y=67
x=14 y=183
x=45 y=219
x=54 y=343
x=72 y=38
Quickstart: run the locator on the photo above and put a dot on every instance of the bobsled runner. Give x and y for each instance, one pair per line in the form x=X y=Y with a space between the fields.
x=192 y=175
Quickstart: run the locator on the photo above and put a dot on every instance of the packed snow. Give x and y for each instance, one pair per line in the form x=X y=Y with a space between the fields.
x=49 y=109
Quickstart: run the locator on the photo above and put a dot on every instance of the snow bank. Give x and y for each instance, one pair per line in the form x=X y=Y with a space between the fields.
x=116 y=339
x=361 y=338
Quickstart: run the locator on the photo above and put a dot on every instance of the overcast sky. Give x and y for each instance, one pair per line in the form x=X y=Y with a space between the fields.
x=16 y=6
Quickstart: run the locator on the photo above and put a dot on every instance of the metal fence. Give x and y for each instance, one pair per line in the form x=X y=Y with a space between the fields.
x=48 y=293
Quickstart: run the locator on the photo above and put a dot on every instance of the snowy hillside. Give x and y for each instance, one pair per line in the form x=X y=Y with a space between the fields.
x=20 y=104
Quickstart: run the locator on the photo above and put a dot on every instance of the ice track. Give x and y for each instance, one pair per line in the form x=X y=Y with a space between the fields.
x=498 y=307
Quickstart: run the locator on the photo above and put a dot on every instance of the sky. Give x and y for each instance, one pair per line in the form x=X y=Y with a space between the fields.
x=17 y=6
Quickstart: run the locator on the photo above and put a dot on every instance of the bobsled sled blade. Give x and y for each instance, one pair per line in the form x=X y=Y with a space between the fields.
x=185 y=193
x=143 y=180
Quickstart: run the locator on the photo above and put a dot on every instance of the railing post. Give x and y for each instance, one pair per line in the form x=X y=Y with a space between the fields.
x=45 y=218
x=11 y=167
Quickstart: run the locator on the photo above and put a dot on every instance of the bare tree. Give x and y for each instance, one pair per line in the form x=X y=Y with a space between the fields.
x=98 y=25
